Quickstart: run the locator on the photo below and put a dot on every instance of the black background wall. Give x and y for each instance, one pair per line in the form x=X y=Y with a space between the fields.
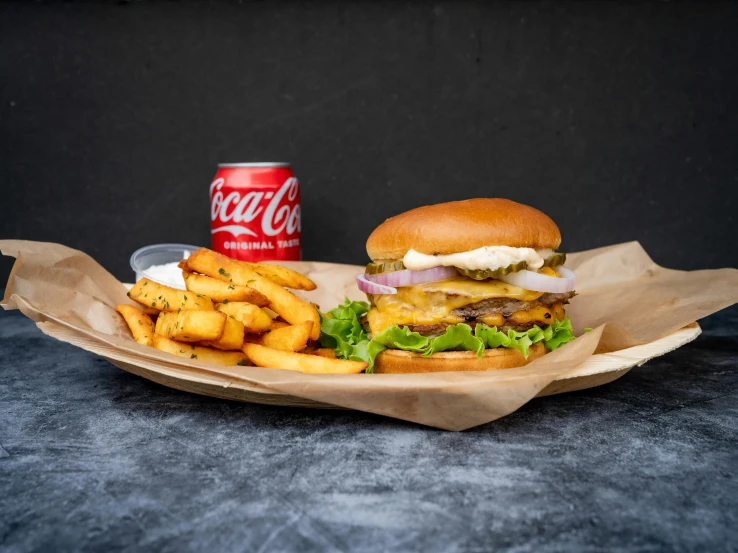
x=618 y=120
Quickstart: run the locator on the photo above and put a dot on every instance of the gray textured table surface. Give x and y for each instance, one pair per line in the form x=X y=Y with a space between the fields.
x=95 y=459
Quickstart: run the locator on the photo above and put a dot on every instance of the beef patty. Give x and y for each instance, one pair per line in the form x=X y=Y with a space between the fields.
x=503 y=306
x=507 y=307
x=440 y=328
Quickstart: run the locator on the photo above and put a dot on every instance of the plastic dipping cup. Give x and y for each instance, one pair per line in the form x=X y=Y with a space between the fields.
x=160 y=254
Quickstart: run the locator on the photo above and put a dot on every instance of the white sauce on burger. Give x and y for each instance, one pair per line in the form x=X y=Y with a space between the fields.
x=488 y=257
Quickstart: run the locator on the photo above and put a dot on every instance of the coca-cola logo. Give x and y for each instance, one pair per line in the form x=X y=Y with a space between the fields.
x=281 y=214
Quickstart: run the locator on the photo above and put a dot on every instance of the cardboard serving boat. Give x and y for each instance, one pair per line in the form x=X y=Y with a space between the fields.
x=599 y=369
x=636 y=309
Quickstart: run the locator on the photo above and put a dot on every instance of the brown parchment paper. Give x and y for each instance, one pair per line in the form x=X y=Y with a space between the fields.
x=623 y=295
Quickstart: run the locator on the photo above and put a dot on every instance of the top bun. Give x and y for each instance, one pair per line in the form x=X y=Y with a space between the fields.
x=455 y=227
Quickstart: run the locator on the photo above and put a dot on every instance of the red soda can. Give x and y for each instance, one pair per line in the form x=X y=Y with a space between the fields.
x=255 y=211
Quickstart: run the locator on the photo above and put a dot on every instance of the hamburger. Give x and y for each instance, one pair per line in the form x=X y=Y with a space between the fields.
x=465 y=286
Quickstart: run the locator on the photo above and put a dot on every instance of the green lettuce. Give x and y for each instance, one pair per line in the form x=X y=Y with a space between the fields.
x=342 y=331
x=558 y=334
x=456 y=337
x=401 y=337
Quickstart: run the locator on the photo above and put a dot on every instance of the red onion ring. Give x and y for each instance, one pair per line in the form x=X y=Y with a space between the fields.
x=369 y=287
x=407 y=277
x=539 y=282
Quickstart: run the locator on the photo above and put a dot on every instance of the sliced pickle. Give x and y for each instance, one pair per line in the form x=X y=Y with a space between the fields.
x=555 y=259
x=482 y=274
x=384 y=267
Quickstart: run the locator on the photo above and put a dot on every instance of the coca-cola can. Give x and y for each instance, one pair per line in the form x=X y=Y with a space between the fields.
x=255 y=212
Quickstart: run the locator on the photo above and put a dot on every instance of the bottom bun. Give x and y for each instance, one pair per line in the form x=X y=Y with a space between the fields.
x=399 y=361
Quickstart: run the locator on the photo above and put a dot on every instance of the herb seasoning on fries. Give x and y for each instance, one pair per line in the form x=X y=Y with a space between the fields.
x=233 y=313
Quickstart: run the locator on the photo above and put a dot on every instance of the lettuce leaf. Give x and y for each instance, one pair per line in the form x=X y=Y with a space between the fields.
x=558 y=334
x=342 y=331
x=520 y=341
x=553 y=337
x=401 y=337
x=456 y=337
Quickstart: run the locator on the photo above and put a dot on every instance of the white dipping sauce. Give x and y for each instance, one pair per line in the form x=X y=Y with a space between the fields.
x=168 y=273
x=488 y=257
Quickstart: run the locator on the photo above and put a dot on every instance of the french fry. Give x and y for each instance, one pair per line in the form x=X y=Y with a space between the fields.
x=275 y=273
x=253 y=313
x=217 y=290
x=252 y=317
x=262 y=356
x=152 y=312
x=288 y=338
x=191 y=325
x=330 y=353
x=269 y=312
x=191 y=351
x=152 y=294
x=256 y=338
x=283 y=276
x=141 y=325
x=232 y=338
x=291 y=308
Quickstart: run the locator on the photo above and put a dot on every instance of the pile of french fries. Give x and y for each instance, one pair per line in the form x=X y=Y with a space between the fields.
x=233 y=313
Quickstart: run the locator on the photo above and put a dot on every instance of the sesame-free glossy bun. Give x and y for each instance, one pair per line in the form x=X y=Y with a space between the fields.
x=455 y=227
x=399 y=361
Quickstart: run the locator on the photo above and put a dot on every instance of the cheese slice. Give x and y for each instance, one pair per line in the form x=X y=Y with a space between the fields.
x=433 y=302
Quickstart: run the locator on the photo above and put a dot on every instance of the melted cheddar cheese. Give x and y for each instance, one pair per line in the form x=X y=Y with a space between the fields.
x=433 y=302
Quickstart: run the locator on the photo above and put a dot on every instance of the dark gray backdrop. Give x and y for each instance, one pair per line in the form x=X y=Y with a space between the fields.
x=618 y=120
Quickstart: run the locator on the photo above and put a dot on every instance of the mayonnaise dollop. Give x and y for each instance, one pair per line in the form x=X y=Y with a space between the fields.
x=488 y=257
